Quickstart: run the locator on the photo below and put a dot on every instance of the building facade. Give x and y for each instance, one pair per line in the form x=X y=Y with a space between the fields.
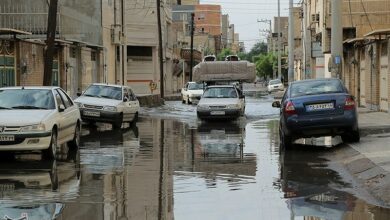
x=365 y=69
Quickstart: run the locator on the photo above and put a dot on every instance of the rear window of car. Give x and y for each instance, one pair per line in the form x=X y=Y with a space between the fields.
x=316 y=87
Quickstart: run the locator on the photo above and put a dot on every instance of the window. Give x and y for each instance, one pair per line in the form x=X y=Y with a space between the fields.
x=58 y=99
x=93 y=56
x=316 y=87
x=65 y=98
x=27 y=99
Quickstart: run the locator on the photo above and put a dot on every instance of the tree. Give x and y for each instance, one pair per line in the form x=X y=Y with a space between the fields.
x=257 y=50
x=225 y=52
x=265 y=65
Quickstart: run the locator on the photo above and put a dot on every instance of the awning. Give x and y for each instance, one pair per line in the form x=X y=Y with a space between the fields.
x=10 y=31
x=378 y=32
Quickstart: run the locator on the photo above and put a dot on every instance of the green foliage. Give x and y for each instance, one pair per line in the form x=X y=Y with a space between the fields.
x=265 y=65
x=207 y=51
x=258 y=49
x=225 y=52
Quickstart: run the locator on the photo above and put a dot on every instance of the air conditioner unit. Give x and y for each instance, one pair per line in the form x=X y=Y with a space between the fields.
x=315 y=18
x=116 y=34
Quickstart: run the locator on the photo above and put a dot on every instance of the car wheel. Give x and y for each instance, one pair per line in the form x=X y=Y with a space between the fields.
x=51 y=152
x=118 y=123
x=54 y=176
x=75 y=143
x=285 y=140
x=135 y=120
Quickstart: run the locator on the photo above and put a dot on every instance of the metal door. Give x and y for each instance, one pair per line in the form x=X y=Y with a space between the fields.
x=363 y=80
x=383 y=80
x=7 y=63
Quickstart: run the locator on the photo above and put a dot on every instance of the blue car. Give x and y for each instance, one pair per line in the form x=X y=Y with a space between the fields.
x=316 y=108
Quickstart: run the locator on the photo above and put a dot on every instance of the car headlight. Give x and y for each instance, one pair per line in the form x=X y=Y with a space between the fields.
x=110 y=108
x=80 y=105
x=233 y=106
x=37 y=127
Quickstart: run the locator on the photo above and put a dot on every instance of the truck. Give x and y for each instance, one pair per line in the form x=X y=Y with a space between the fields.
x=223 y=97
x=224 y=72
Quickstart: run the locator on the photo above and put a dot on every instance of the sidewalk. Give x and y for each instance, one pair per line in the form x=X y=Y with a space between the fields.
x=369 y=160
x=371 y=122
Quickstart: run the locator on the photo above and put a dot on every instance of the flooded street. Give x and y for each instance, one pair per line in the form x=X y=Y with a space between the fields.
x=172 y=166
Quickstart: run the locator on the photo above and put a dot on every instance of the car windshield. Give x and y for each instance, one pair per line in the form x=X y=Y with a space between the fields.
x=316 y=87
x=26 y=99
x=273 y=82
x=220 y=92
x=102 y=91
x=195 y=86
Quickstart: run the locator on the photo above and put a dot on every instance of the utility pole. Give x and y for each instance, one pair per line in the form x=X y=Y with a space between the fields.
x=50 y=38
x=279 y=74
x=160 y=48
x=291 y=43
x=192 y=45
x=337 y=39
x=270 y=31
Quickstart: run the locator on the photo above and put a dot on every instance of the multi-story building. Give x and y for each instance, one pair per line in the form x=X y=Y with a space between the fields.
x=78 y=56
x=141 y=32
x=365 y=68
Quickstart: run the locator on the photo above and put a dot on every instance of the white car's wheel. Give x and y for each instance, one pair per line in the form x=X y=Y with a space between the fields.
x=75 y=143
x=51 y=152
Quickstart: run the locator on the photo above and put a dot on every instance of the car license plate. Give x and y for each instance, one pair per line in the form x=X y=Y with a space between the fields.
x=322 y=106
x=92 y=113
x=7 y=138
x=217 y=113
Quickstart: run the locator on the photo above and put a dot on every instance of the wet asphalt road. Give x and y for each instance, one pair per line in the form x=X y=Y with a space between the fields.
x=172 y=166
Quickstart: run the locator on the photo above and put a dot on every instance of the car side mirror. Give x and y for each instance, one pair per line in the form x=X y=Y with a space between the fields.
x=125 y=99
x=78 y=94
x=61 y=108
x=276 y=104
x=242 y=96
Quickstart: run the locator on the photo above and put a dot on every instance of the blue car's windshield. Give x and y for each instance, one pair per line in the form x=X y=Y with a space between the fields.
x=316 y=87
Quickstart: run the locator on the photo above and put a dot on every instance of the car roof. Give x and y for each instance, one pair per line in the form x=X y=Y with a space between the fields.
x=222 y=86
x=31 y=87
x=107 y=84
x=315 y=80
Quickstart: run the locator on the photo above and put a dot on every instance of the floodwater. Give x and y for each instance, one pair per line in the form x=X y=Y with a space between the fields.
x=172 y=166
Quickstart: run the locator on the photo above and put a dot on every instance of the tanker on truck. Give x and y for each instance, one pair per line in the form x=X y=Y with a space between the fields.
x=223 y=97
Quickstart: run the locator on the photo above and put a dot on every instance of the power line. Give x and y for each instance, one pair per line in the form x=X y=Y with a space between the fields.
x=365 y=12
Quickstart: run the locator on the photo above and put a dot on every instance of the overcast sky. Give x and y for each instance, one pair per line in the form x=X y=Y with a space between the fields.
x=245 y=13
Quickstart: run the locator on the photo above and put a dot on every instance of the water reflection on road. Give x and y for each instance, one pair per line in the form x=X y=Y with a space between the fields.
x=166 y=169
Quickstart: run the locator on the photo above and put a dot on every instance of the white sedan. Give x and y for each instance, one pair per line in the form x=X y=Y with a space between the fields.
x=275 y=85
x=38 y=118
x=191 y=92
x=108 y=103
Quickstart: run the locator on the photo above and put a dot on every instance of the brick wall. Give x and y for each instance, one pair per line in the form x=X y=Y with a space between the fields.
x=32 y=55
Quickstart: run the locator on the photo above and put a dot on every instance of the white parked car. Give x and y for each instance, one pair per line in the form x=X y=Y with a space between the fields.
x=221 y=102
x=108 y=103
x=275 y=85
x=37 y=118
x=192 y=92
